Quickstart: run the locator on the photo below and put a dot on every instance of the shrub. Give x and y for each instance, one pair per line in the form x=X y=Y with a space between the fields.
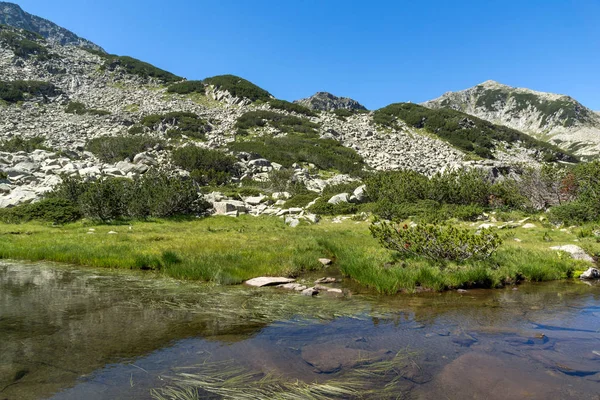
x=332 y=190
x=206 y=166
x=106 y=199
x=139 y=68
x=187 y=87
x=301 y=200
x=15 y=91
x=436 y=242
x=58 y=211
x=464 y=131
x=282 y=122
x=179 y=123
x=76 y=107
x=290 y=149
x=155 y=194
x=17 y=143
x=291 y=107
x=285 y=180
x=343 y=113
x=160 y=195
x=239 y=87
x=111 y=149
x=24 y=47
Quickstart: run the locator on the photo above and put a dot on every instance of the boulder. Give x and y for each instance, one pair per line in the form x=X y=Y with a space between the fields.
x=268 y=281
x=591 y=273
x=228 y=206
x=575 y=251
x=339 y=198
x=256 y=200
x=360 y=193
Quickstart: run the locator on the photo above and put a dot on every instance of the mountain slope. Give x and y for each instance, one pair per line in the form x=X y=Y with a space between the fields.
x=12 y=15
x=323 y=101
x=558 y=119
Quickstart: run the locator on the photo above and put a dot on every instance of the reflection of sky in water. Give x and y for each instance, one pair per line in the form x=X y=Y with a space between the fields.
x=58 y=325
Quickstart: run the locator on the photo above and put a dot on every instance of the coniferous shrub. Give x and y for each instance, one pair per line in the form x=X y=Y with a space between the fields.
x=436 y=242
x=111 y=149
x=239 y=87
x=207 y=167
x=187 y=87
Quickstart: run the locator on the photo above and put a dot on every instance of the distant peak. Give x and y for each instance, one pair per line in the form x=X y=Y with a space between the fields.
x=325 y=101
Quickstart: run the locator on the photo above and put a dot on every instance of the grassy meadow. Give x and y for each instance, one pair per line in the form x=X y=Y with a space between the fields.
x=227 y=250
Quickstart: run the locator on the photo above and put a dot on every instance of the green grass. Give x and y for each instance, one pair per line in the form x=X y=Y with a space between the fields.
x=228 y=251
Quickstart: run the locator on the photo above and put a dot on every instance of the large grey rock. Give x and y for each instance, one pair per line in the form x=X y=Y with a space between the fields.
x=591 y=273
x=228 y=206
x=575 y=251
x=268 y=281
x=256 y=200
x=339 y=198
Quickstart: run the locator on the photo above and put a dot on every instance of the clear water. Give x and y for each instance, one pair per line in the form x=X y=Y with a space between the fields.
x=68 y=333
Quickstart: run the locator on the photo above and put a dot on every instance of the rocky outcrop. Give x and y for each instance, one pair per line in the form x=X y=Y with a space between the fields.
x=323 y=101
x=12 y=15
x=563 y=120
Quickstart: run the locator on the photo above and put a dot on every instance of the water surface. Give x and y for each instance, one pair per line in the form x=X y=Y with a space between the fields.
x=69 y=333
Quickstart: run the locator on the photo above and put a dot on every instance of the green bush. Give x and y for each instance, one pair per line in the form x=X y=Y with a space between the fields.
x=76 y=107
x=464 y=131
x=285 y=180
x=182 y=123
x=239 y=87
x=332 y=190
x=291 y=107
x=17 y=143
x=301 y=200
x=582 y=185
x=154 y=194
x=207 y=167
x=15 y=91
x=24 y=47
x=462 y=194
x=187 y=87
x=55 y=210
x=436 y=242
x=161 y=195
x=139 y=68
x=282 y=122
x=290 y=149
x=111 y=149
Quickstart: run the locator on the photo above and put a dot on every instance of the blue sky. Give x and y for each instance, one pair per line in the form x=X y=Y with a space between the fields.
x=377 y=52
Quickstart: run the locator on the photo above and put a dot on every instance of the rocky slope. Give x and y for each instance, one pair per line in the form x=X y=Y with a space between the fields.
x=323 y=101
x=86 y=95
x=12 y=15
x=555 y=118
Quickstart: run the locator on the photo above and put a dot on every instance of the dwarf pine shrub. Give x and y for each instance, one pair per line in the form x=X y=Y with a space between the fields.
x=436 y=242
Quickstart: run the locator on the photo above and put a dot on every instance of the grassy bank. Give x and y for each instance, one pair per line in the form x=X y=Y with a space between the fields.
x=227 y=251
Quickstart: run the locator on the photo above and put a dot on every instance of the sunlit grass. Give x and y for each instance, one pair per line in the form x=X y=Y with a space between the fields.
x=228 y=250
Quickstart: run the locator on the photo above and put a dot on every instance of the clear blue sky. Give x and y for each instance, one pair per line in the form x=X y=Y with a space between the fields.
x=377 y=52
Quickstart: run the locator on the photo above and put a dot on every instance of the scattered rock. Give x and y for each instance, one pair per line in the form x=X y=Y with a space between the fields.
x=325 y=280
x=268 y=281
x=310 y=292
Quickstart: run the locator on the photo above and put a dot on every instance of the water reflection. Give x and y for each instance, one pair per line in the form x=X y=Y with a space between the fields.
x=115 y=335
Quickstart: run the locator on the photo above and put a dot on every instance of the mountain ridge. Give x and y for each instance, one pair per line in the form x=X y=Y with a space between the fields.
x=12 y=14
x=557 y=118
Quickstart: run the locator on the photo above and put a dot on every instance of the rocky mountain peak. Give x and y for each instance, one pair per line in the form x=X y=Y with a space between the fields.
x=560 y=118
x=13 y=15
x=325 y=101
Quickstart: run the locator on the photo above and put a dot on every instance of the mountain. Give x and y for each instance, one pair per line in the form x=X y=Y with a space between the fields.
x=76 y=111
x=323 y=101
x=555 y=118
x=12 y=15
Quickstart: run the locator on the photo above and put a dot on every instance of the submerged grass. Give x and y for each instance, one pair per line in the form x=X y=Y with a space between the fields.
x=229 y=380
x=227 y=251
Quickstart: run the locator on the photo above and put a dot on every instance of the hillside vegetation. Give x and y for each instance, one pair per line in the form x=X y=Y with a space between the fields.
x=239 y=87
x=464 y=131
